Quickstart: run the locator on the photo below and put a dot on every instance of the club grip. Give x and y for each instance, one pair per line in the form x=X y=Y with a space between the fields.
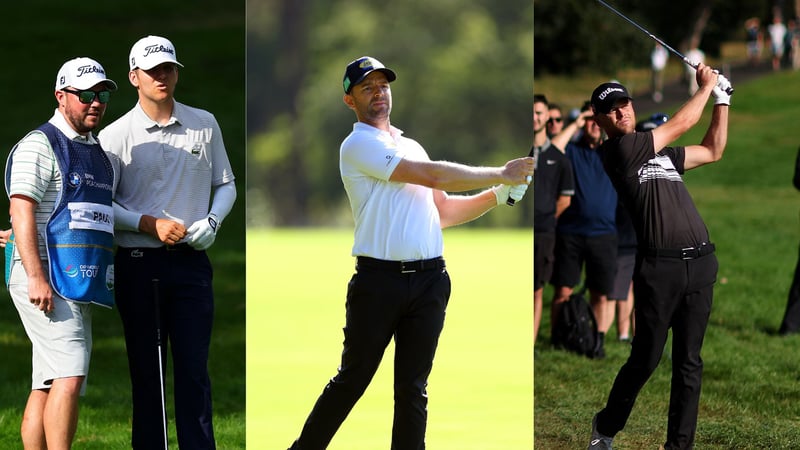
x=510 y=201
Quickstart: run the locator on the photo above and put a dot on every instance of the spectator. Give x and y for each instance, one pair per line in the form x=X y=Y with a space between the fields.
x=696 y=56
x=754 y=40
x=586 y=235
x=556 y=121
x=658 y=61
x=777 y=33
x=553 y=187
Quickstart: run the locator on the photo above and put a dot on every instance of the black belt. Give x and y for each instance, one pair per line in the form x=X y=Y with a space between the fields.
x=182 y=247
x=400 y=266
x=682 y=253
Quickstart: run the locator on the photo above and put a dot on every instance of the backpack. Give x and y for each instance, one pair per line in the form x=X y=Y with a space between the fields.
x=576 y=327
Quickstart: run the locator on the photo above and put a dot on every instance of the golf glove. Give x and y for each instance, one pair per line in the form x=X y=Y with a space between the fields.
x=504 y=192
x=518 y=191
x=721 y=97
x=201 y=234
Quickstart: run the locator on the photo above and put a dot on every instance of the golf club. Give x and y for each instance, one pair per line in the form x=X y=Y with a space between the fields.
x=157 y=303
x=728 y=90
x=511 y=201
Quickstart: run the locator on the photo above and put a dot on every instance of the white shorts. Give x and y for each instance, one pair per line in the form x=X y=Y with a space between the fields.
x=61 y=339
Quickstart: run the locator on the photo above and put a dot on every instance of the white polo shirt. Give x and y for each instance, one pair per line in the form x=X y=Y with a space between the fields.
x=393 y=221
x=166 y=171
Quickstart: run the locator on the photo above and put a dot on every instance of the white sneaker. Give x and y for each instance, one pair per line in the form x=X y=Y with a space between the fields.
x=599 y=441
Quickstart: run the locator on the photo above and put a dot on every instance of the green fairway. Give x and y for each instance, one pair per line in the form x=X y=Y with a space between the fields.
x=480 y=391
x=750 y=384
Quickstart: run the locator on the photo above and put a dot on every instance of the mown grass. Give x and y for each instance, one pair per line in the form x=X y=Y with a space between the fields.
x=750 y=393
x=480 y=389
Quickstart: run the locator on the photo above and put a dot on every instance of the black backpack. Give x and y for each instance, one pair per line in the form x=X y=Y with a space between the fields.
x=576 y=327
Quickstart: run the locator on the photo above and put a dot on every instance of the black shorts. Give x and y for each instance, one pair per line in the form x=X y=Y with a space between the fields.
x=543 y=258
x=597 y=253
x=622 y=282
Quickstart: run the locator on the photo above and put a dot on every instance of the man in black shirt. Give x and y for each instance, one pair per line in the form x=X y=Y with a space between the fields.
x=553 y=186
x=675 y=266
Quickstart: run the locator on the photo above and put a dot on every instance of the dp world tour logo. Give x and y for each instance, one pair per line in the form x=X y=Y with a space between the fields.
x=71 y=271
x=74 y=179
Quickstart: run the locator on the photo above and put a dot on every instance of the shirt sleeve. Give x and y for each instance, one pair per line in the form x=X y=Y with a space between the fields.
x=33 y=166
x=376 y=158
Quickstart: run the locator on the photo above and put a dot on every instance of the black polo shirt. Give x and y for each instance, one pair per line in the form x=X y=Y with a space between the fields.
x=552 y=179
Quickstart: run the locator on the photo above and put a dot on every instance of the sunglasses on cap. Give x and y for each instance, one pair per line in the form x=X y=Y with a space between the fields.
x=88 y=96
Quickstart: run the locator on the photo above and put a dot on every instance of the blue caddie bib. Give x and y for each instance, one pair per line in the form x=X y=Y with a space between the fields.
x=80 y=230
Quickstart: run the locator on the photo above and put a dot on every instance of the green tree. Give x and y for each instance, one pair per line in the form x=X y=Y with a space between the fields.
x=463 y=91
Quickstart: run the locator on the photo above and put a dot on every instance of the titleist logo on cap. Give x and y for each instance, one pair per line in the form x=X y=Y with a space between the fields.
x=157 y=48
x=82 y=70
x=604 y=94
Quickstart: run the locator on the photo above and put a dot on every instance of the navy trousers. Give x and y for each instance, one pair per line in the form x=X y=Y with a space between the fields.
x=670 y=293
x=382 y=304
x=186 y=312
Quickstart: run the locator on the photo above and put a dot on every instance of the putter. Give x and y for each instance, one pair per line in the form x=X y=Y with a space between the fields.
x=157 y=302
x=692 y=64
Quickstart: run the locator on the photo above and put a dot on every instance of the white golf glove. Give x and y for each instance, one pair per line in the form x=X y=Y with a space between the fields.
x=721 y=97
x=503 y=192
x=518 y=191
x=201 y=234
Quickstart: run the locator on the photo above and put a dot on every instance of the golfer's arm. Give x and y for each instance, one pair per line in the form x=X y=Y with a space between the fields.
x=714 y=142
x=458 y=209
x=446 y=176
x=683 y=120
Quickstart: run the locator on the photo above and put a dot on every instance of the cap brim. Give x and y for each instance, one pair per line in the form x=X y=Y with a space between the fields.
x=154 y=63
x=390 y=76
x=112 y=86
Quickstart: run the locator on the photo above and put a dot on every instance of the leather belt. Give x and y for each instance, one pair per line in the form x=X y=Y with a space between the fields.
x=400 y=266
x=183 y=247
x=682 y=253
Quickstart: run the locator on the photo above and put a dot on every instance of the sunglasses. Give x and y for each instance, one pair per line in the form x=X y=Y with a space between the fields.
x=555 y=119
x=88 y=96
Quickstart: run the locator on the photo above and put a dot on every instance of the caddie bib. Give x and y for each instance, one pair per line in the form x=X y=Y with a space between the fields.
x=80 y=231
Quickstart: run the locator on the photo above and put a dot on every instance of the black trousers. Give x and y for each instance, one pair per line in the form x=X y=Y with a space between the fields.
x=187 y=311
x=382 y=304
x=791 y=318
x=670 y=293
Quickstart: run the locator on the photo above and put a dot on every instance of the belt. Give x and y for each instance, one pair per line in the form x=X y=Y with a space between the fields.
x=183 y=247
x=682 y=253
x=400 y=266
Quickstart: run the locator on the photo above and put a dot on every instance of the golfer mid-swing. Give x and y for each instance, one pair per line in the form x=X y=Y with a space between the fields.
x=675 y=266
x=401 y=287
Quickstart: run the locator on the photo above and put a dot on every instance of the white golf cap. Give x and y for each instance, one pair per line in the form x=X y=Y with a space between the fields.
x=82 y=73
x=151 y=51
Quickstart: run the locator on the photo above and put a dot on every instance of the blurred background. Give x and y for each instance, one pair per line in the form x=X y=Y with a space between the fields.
x=463 y=91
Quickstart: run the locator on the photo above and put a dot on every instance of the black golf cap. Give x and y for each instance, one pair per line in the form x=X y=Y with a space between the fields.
x=358 y=69
x=606 y=96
